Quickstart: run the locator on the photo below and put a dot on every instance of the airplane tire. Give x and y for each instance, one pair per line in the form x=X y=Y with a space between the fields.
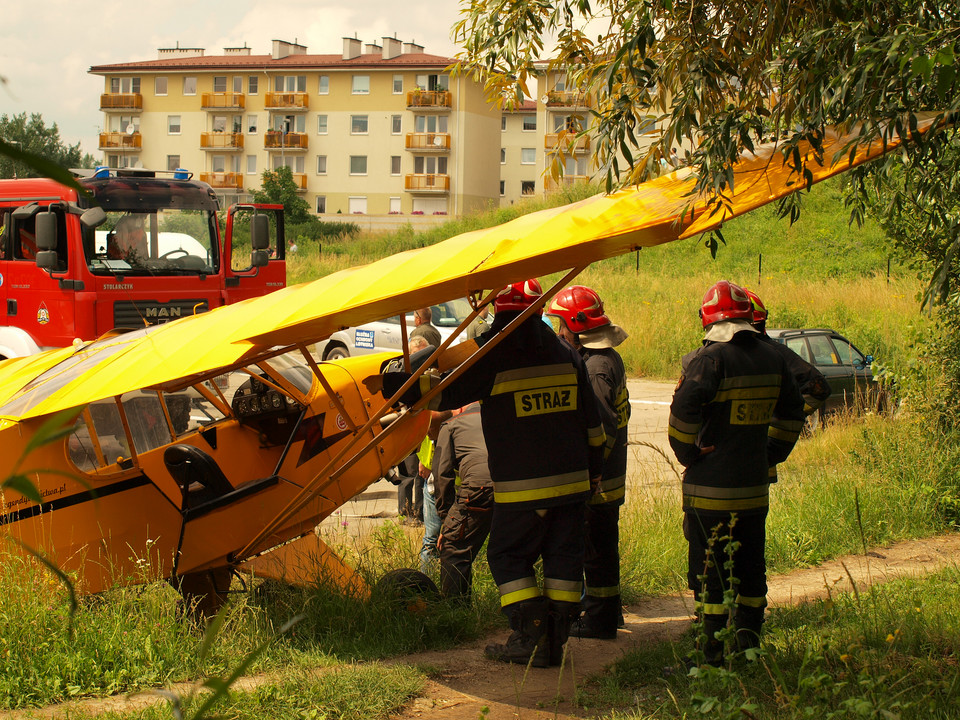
x=204 y=593
x=408 y=587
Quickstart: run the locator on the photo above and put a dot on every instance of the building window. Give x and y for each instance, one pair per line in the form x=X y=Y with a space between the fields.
x=321 y=124
x=528 y=187
x=253 y=83
x=395 y=123
x=394 y=164
x=321 y=164
x=290 y=83
x=189 y=86
x=529 y=123
x=394 y=206
x=321 y=204
x=528 y=156
x=173 y=162
x=358 y=124
x=503 y=156
x=252 y=124
x=323 y=86
x=361 y=85
x=251 y=164
x=160 y=85
x=357 y=205
x=125 y=85
x=237 y=84
x=433 y=82
x=503 y=123
x=358 y=164
x=220 y=83
x=397 y=84
x=219 y=163
x=431 y=123
x=502 y=188
x=173 y=124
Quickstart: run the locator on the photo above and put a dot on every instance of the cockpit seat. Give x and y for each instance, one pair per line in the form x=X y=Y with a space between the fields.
x=198 y=475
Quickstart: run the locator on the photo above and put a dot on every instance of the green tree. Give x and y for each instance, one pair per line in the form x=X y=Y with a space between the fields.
x=723 y=76
x=31 y=136
x=278 y=186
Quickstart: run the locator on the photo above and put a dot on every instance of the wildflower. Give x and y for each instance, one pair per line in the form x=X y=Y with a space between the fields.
x=845 y=658
x=890 y=638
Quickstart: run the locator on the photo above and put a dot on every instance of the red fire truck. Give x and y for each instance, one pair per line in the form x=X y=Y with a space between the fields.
x=142 y=247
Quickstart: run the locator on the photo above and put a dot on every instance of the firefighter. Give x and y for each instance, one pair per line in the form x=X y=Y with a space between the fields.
x=587 y=328
x=813 y=385
x=736 y=412
x=464 y=496
x=545 y=448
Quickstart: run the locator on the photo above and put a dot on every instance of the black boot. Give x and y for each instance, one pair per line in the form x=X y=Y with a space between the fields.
x=560 y=616
x=708 y=643
x=749 y=623
x=529 y=642
x=600 y=619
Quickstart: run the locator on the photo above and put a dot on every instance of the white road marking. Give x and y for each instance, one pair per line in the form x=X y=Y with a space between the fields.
x=649 y=402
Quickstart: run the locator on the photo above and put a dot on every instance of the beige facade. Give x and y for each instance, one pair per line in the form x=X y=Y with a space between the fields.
x=380 y=129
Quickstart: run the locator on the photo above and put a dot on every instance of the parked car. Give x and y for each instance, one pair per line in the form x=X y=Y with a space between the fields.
x=384 y=335
x=852 y=384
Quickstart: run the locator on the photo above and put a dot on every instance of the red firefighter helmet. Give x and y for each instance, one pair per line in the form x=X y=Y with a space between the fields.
x=725 y=301
x=518 y=296
x=759 y=310
x=580 y=309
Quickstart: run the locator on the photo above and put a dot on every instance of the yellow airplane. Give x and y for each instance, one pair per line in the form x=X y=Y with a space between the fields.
x=212 y=442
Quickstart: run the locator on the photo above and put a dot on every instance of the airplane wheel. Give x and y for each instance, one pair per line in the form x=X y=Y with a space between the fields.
x=204 y=593
x=408 y=587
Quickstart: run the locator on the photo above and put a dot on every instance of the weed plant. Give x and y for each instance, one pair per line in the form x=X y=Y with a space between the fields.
x=887 y=652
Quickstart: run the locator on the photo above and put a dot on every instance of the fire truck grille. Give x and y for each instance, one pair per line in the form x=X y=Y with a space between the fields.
x=152 y=312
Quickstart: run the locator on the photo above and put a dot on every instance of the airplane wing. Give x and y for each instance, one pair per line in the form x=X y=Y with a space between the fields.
x=534 y=245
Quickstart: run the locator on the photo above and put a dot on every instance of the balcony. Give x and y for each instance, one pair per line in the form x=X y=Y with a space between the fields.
x=120 y=142
x=300 y=179
x=222 y=101
x=428 y=142
x=276 y=140
x=429 y=100
x=292 y=101
x=570 y=99
x=427 y=184
x=550 y=184
x=223 y=141
x=226 y=180
x=567 y=142
x=117 y=102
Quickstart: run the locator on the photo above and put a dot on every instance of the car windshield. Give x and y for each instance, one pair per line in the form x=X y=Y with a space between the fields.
x=156 y=242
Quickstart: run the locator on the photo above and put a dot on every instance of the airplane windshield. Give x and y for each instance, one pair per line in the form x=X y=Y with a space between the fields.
x=156 y=242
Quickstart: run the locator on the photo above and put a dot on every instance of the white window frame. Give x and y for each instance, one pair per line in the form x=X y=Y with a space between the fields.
x=321 y=164
x=357 y=84
x=396 y=124
x=523 y=123
x=323 y=85
x=396 y=162
x=187 y=81
x=156 y=85
x=503 y=156
x=254 y=159
x=356 y=120
x=321 y=199
x=323 y=126
x=170 y=130
x=526 y=153
x=360 y=199
x=253 y=84
x=365 y=166
x=398 y=84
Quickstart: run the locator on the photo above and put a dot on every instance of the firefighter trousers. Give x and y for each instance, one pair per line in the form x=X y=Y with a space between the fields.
x=601 y=566
x=519 y=537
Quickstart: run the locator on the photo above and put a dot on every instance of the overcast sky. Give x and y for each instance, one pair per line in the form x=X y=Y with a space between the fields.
x=46 y=50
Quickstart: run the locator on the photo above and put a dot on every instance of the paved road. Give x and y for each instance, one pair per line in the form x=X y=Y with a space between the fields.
x=647 y=465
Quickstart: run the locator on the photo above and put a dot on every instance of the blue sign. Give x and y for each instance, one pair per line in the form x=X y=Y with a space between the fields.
x=363 y=339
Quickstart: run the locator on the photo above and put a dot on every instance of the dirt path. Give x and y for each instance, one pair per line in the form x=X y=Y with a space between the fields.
x=464 y=683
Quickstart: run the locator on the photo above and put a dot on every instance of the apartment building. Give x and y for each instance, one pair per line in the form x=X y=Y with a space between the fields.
x=539 y=132
x=379 y=130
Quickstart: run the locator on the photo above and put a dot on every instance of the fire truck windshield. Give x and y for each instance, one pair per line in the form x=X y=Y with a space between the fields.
x=157 y=242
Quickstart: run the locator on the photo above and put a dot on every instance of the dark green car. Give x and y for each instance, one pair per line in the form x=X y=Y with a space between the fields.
x=852 y=384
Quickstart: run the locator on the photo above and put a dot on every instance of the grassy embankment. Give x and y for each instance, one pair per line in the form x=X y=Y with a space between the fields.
x=818 y=272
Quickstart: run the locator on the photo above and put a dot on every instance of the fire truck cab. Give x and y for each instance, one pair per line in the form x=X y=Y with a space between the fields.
x=139 y=249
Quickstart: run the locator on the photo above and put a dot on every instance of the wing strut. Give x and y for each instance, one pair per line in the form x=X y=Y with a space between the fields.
x=328 y=475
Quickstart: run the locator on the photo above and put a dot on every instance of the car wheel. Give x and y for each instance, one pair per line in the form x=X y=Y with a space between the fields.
x=336 y=353
x=817 y=420
x=408 y=588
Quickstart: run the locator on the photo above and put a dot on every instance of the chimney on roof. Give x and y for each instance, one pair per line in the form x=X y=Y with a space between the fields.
x=282 y=49
x=372 y=49
x=412 y=48
x=351 y=48
x=237 y=50
x=178 y=52
x=391 y=48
